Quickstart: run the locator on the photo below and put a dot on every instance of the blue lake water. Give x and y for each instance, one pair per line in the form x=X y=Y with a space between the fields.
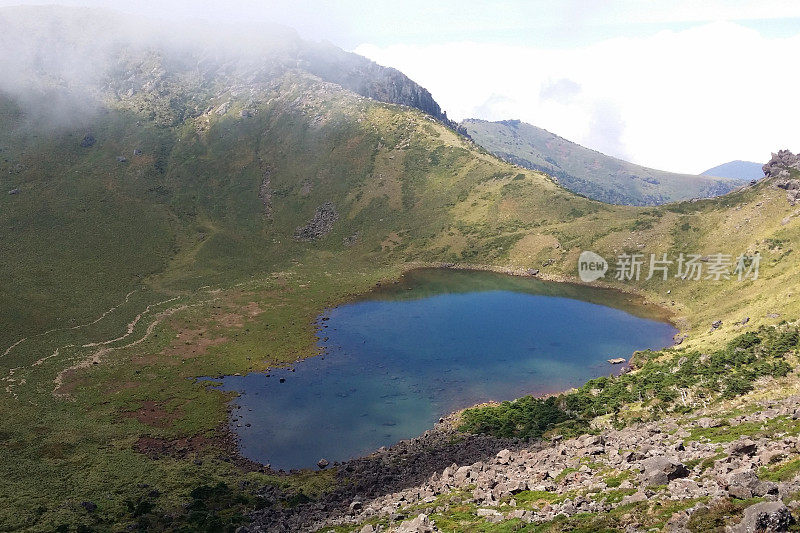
x=409 y=353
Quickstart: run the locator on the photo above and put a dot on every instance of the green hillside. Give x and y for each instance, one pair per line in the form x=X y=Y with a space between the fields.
x=587 y=171
x=210 y=222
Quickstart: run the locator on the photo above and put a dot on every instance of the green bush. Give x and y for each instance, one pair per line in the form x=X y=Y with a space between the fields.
x=661 y=384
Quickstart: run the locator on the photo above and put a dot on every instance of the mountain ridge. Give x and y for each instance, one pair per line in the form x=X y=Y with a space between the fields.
x=588 y=171
x=738 y=169
x=266 y=51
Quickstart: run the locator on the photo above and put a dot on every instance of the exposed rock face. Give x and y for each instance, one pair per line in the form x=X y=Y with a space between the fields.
x=265 y=193
x=792 y=188
x=780 y=162
x=369 y=79
x=322 y=223
x=779 y=167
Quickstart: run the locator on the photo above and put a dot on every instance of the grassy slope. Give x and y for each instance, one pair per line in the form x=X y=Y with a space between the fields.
x=589 y=172
x=230 y=291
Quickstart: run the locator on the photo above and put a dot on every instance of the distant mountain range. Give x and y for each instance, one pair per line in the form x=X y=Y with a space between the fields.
x=587 y=171
x=740 y=170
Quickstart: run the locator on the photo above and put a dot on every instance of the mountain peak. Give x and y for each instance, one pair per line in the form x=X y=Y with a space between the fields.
x=98 y=49
x=740 y=170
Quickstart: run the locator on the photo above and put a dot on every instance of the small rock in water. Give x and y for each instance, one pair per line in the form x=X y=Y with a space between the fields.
x=282 y=380
x=322 y=463
x=617 y=360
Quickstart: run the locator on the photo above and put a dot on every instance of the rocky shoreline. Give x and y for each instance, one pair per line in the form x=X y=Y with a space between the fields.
x=387 y=471
x=672 y=460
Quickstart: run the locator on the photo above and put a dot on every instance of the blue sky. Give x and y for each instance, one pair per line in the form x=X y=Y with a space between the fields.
x=677 y=85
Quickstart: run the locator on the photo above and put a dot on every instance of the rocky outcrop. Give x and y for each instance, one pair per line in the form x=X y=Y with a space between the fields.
x=779 y=163
x=367 y=78
x=780 y=167
x=792 y=188
x=319 y=226
x=265 y=193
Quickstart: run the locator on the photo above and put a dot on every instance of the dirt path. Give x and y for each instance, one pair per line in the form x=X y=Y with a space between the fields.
x=71 y=328
x=97 y=356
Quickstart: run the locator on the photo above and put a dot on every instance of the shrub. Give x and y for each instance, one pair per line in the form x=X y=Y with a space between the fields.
x=660 y=384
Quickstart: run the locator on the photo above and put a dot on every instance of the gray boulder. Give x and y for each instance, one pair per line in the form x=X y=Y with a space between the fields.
x=765 y=517
x=743 y=447
x=661 y=470
x=420 y=524
x=742 y=484
x=778 y=162
x=504 y=457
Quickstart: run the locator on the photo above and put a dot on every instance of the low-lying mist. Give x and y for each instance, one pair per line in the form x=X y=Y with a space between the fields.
x=61 y=65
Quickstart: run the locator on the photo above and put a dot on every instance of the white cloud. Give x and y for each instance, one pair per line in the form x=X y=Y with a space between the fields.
x=677 y=100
